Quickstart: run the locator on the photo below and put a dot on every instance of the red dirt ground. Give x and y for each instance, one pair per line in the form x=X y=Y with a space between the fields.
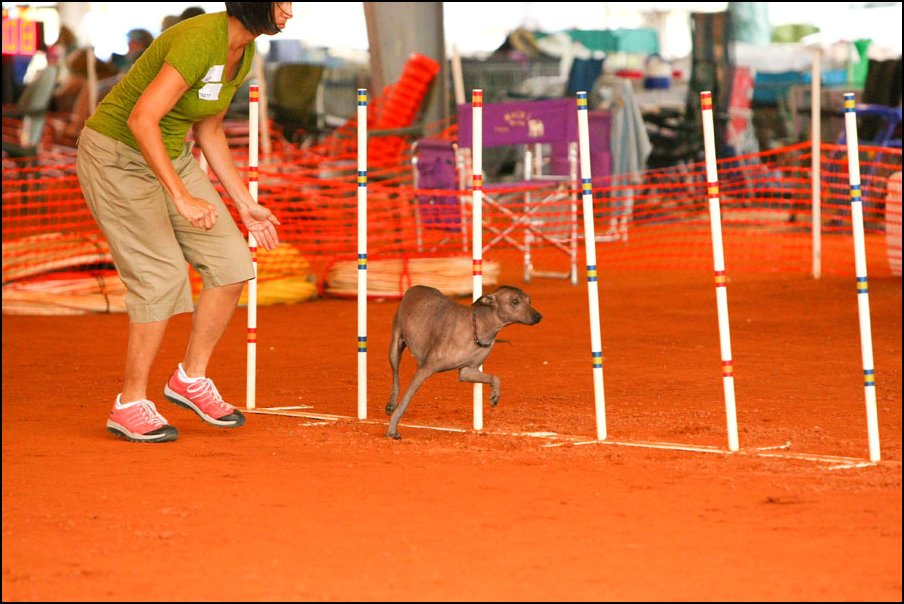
x=288 y=508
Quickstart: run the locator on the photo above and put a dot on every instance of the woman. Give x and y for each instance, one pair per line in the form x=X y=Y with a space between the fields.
x=158 y=210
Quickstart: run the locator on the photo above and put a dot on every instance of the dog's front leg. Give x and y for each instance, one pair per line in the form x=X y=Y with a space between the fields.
x=473 y=374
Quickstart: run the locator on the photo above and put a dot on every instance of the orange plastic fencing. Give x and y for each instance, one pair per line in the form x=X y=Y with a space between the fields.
x=656 y=219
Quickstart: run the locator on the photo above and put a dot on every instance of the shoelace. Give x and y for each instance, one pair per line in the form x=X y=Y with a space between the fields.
x=205 y=386
x=150 y=413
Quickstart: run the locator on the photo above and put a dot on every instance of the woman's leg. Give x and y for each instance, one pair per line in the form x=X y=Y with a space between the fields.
x=216 y=305
x=144 y=342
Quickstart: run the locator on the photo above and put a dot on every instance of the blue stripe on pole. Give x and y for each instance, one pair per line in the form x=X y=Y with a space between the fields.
x=848 y=102
x=869 y=377
x=362 y=343
x=362 y=262
x=597 y=360
x=862 y=285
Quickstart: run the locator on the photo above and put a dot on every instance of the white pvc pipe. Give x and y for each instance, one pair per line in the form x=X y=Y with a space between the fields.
x=458 y=82
x=866 y=338
x=816 y=160
x=477 y=224
x=715 y=221
x=596 y=346
x=264 y=109
x=362 y=253
x=91 y=81
x=253 y=118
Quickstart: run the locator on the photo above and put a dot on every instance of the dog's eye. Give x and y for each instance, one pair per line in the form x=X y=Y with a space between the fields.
x=516 y=301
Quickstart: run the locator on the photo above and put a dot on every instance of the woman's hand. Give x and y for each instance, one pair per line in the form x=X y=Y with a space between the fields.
x=261 y=223
x=200 y=213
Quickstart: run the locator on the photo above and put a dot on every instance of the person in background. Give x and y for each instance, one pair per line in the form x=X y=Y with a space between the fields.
x=138 y=41
x=66 y=43
x=108 y=75
x=191 y=11
x=168 y=21
x=58 y=54
x=71 y=94
x=158 y=209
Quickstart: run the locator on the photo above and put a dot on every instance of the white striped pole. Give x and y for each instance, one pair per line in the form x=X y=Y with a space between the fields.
x=596 y=346
x=362 y=253
x=816 y=161
x=715 y=221
x=251 y=382
x=866 y=338
x=477 y=224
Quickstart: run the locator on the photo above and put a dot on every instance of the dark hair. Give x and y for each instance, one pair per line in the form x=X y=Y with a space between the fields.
x=191 y=11
x=142 y=36
x=257 y=17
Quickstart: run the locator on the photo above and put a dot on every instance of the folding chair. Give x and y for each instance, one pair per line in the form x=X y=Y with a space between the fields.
x=435 y=163
x=543 y=205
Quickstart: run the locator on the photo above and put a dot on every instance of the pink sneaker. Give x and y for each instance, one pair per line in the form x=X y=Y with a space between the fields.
x=201 y=396
x=140 y=422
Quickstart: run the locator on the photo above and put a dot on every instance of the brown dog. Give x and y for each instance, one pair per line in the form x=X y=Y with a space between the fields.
x=443 y=335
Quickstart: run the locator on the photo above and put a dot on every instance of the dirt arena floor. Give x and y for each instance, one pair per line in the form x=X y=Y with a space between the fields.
x=297 y=508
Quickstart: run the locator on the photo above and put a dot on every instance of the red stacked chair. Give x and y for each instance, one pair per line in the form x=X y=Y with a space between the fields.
x=400 y=105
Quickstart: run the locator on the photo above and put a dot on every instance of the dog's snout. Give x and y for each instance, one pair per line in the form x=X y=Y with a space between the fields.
x=535 y=317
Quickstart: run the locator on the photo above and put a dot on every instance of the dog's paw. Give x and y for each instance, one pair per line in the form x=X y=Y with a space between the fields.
x=394 y=436
x=494 y=400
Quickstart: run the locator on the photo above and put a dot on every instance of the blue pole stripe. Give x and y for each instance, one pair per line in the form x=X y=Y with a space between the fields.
x=869 y=378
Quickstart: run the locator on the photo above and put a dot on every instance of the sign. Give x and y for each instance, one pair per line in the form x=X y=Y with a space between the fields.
x=20 y=37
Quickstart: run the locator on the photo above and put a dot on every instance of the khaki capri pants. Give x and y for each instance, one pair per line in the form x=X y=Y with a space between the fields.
x=149 y=240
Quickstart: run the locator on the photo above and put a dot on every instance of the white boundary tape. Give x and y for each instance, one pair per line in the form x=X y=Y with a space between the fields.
x=836 y=462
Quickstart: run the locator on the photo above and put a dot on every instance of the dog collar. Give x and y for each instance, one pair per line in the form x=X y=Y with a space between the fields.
x=476 y=337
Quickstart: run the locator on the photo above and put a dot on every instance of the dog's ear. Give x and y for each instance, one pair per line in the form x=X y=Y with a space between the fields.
x=488 y=299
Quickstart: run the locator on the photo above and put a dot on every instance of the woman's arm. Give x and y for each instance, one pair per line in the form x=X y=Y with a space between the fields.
x=155 y=102
x=259 y=221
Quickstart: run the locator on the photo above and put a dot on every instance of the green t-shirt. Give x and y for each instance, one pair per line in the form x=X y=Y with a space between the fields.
x=197 y=49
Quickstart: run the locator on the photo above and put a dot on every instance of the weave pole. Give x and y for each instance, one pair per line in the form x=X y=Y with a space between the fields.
x=866 y=338
x=251 y=381
x=477 y=225
x=816 y=161
x=362 y=253
x=715 y=221
x=596 y=346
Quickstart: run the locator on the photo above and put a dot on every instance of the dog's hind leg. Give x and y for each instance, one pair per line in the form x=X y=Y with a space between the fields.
x=396 y=346
x=419 y=376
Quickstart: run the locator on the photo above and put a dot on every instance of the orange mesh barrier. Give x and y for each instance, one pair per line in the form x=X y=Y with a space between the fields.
x=657 y=219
